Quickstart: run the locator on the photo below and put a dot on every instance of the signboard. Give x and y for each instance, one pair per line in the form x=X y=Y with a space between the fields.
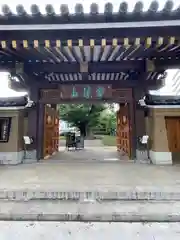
x=70 y=92
x=5 y=126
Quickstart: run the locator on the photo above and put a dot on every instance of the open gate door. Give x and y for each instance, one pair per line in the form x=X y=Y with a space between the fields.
x=123 y=130
x=51 y=131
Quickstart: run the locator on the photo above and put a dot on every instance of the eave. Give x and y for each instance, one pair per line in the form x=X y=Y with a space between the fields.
x=155 y=100
x=110 y=14
x=13 y=102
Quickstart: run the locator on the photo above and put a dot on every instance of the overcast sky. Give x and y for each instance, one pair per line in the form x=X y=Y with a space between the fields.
x=5 y=91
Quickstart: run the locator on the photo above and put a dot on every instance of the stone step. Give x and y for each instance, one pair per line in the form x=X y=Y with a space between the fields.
x=126 y=193
x=119 y=211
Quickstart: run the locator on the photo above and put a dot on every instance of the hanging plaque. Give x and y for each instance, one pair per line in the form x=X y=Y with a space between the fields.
x=81 y=91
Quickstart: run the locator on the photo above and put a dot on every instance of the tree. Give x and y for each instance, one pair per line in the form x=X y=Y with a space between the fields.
x=83 y=116
x=107 y=122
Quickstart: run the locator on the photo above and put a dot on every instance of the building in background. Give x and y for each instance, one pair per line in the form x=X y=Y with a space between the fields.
x=65 y=127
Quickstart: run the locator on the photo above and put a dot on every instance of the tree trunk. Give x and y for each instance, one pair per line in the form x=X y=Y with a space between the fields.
x=82 y=128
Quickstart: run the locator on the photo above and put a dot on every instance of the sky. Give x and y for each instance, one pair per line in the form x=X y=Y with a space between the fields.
x=5 y=91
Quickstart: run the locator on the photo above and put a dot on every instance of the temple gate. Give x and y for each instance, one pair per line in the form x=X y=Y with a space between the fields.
x=127 y=51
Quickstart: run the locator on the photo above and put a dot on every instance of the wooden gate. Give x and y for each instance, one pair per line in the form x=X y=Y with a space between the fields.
x=51 y=131
x=123 y=130
x=173 y=133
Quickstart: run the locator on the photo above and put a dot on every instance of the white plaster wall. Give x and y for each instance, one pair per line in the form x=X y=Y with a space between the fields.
x=160 y=158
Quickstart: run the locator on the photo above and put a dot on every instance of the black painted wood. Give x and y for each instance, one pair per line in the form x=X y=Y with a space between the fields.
x=84 y=34
x=93 y=67
x=40 y=130
x=126 y=66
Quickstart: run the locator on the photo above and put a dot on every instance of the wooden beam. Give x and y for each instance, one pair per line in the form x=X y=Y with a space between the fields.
x=63 y=34
x=93 y=67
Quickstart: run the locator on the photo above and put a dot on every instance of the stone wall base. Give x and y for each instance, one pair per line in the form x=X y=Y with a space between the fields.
x=160 y=158
x=30 y=156
x=11 y=158
x=141 y=154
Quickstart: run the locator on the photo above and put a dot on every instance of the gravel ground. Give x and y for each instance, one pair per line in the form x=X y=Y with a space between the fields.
x=88 y=231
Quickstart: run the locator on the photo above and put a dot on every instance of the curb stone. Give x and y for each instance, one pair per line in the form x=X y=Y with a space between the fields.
x=88 y=195
x=119 y=211
x=91 y=217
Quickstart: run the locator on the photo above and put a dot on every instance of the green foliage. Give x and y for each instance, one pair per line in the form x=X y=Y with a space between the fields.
x=78 y=114
x=107 y=122
x=87 y=117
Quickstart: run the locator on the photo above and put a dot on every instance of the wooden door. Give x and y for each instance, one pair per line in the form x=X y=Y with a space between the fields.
x=51 y=131
x=173 y=133
x=123 y=130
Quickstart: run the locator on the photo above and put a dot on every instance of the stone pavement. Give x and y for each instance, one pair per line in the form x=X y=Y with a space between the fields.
x=88 y=231
x=93 y=150
x=76 y=179
x=96 y=154
x=89 y=211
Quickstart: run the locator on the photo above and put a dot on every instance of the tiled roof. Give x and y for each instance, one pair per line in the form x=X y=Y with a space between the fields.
x=161 y=100
x=13 y=101
x=64 y=15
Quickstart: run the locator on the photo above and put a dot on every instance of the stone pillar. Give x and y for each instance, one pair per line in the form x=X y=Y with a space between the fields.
x=140 y=126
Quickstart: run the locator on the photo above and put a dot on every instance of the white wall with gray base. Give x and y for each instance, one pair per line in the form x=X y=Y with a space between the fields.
x=14 y=158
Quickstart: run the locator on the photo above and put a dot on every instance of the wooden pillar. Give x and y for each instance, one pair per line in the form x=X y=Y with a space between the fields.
x=32 y=123
x=132 y=127
x=40 y=130
x=140 y=124
x=31 y=152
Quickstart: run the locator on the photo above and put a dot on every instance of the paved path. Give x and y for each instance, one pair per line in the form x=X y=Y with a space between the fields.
x=93 y=150
x=88 y=231
x=90 y=153
x=88 y=175
x=92 y=169
x=109 y=180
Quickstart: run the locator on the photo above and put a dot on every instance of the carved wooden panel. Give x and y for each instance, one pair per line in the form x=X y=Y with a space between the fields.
x=123 y=130
x=51 y=131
